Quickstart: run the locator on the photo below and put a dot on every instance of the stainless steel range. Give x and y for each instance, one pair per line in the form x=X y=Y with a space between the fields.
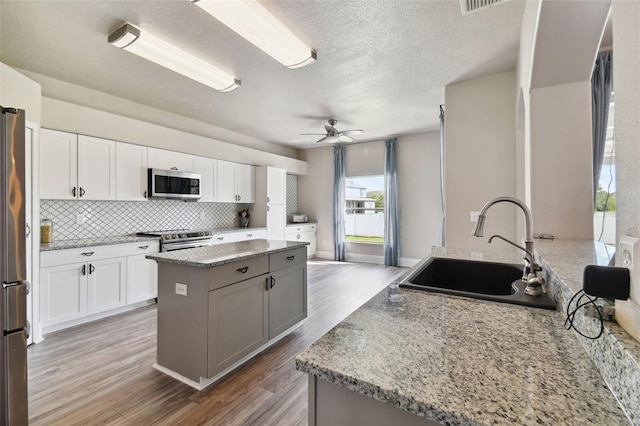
x=179 y=239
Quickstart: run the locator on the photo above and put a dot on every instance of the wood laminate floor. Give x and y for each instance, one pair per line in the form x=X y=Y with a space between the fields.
x=101 y=373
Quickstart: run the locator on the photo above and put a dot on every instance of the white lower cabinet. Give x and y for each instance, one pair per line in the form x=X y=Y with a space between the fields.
x=303 y=232
x=79 y=285
x=106 y=284
x=142 y=279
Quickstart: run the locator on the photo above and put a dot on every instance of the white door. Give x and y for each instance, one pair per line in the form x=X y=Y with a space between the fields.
x=106 y=284
x=171 y=160
x=63 y=293
x=226 y=189
x=276 y=221
x=276 y=185
x=142 y=279
x=58 y=165
x=96 y=168
x=131 y=172
x=245 y=183
x=207 y=169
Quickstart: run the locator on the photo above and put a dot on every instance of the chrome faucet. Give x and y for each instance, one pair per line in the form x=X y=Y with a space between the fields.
x=531 y=268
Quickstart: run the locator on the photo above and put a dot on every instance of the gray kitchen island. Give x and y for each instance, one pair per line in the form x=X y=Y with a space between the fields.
x=220 y=305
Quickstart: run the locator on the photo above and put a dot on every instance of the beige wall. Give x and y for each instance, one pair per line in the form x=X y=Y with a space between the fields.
x=419 y=193
x=561 y=161
x=480 y=157
x=18 y=91
x=75 y=118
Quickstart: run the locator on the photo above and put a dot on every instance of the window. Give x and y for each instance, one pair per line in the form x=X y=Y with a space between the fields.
x=364 y=209
x=604 y=218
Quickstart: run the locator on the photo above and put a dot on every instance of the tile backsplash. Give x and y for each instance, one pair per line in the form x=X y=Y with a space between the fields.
x=111 y=218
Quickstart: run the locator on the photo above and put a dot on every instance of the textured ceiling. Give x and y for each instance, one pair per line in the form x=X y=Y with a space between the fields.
x=382 y=65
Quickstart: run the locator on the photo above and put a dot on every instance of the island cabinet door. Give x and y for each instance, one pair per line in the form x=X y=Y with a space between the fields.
x=287 y=298
x=238 y=322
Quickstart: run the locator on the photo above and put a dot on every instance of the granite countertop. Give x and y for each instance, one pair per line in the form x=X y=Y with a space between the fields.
x=464 y=361
x=220 y=254
x=89 y=242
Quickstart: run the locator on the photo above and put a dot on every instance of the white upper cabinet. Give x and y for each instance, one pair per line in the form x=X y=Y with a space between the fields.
x=58 y=165
x=171 y=160
x=206 y=167
x=76 y=167
x=276 y=186
x=236 y=182
x=131 y=172
x=96 y=168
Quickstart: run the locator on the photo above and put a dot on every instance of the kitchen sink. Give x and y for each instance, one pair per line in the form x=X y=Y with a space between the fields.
x=499 y=282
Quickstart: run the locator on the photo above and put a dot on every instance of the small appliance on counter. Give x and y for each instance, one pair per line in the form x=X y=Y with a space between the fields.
x=299 y=218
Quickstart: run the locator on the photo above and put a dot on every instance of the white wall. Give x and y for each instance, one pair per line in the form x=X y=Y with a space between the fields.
x=74 y=118
x=18 y=91
x=626 y=69
x=561 y=161
x=480 y=157
x=419 y=193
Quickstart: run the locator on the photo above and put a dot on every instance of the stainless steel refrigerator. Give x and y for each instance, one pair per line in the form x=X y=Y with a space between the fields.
x=13 y=256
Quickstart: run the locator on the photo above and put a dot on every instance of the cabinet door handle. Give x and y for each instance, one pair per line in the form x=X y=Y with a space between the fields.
x=145 y=194
x=268 y=199
x=243 y=270
x=267 y=283
x=82 y=191
x=174 y=168
x=298 y=236
x=84 y=269
x=268 y=208
x=273 y=282
x=91 y=269
x=290 y=258
x=249 y=235
x=28 y=230
x=73 y=191
x=143 y=247
x=220 y=238
x=239 y=197
x=88 y=253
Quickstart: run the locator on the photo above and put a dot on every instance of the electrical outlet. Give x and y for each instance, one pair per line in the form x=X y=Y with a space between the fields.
x=628 y=248
x=181 y=289
x=473 y=216
x=79 y=218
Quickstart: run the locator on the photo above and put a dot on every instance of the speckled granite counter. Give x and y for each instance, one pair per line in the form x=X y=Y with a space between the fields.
x=220 y=254
x=89 y=242
x=464 y=361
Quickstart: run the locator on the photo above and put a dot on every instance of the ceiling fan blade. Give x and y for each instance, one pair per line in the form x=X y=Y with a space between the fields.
x=352 y=132
x=333 y=139
x=345 y=138
x=322 y=140
x=313 y=134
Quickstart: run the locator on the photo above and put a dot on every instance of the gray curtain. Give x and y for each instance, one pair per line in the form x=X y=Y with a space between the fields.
x=442 y=187
x=600 y=98
x=391 y=206
x=338 y=203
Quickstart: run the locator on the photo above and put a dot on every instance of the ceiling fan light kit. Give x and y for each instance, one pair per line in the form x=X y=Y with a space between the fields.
x=253 y=22
x=333 y=135
x=130 y=38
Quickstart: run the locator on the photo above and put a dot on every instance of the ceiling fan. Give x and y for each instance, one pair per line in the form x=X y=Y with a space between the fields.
x=333 y=135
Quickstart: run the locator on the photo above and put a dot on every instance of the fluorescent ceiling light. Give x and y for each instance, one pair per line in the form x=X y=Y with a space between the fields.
x=253 y=22
x=150 y=47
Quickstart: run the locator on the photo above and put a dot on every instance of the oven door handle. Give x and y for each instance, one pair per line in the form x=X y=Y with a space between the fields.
x=185 y=245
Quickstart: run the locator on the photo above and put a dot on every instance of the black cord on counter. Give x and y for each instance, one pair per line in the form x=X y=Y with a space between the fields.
x=571 y=313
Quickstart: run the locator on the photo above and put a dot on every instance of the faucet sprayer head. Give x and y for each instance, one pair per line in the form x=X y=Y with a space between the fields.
x=477 y=232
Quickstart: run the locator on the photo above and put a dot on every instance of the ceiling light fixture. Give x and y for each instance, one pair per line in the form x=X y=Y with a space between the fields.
x=150 y=47
x=252 y=21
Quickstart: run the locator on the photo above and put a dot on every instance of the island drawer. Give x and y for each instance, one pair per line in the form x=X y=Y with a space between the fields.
x=288 y=258
x=239 y=271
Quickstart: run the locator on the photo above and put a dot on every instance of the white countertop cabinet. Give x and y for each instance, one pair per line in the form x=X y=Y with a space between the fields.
x=171 y=160
x=207 y=167
x=76 y=167
x=82 y=284
x=270 y=208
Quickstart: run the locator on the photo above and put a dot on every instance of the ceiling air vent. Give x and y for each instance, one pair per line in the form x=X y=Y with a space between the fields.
x=472 y=6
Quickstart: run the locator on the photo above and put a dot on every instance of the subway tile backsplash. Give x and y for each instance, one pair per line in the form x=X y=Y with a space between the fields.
x=111 y=218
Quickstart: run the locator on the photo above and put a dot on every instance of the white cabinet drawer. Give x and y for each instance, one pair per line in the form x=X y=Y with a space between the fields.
x=294 y=229
x=86 y=254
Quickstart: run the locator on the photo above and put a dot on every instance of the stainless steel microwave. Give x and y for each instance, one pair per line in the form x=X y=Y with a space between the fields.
x=174 y=184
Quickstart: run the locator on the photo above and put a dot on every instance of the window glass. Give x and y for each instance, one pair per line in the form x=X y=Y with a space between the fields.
x=364 y=210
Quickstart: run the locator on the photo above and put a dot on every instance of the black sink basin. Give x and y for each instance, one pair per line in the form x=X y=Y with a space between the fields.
x=500 y=282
